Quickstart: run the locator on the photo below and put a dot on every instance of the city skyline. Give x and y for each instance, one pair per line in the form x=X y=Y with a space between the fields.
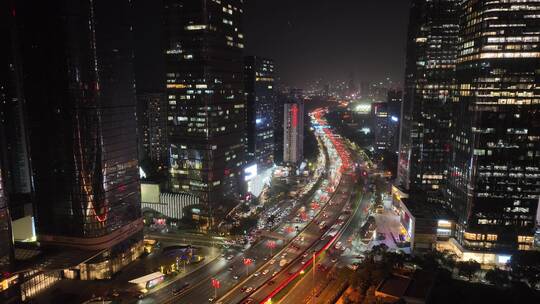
x=365 y=38
x=240 y=152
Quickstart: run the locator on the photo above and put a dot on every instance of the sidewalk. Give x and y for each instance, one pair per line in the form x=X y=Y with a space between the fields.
x=189 y=270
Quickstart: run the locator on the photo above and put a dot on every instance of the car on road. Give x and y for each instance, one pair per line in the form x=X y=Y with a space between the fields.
x=235 y=277
x=180 y=289
x=266 y=271
x=249 y=289
x=243 y=288
x=256 y=274
x=272 y=261
x=211 y=300
x=305 y=255
x=230 y=257
x=322 y=267
x=274 y=273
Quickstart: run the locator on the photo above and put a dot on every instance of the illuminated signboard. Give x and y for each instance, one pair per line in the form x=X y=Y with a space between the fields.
x=363 y=108
x=250 y=172
x=294 y=113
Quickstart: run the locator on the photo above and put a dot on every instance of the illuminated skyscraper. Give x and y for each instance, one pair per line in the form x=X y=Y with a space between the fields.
x=259 y=80
x=395 y=103
x=80 y=104
x=152 y=119
x=207 y=117
x=293 y=133
x=381 y=123
x=495 y=168
x=430 y=73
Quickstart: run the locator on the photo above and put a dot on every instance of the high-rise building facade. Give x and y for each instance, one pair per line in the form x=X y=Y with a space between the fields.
x=207 y=117
x=80 y=103
x=495 y=168
x=259 y=84
x=281 y=99
x=293 y=132
x=394 y=104
x=152 y=130
x=382 y=126
x=430 y=79
x=17 y=180
x=385 y=120
x=11 y=102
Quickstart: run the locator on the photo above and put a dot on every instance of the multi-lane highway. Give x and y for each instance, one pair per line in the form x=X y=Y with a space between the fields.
x=329 y=277
x=302 y=237
x=316 y=241
x=316 y=237
x=229 y=270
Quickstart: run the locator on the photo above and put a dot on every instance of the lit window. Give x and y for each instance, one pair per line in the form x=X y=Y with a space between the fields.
x=196 y=27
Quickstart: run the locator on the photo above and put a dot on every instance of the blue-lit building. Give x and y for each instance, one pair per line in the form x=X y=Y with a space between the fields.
x=261 y=100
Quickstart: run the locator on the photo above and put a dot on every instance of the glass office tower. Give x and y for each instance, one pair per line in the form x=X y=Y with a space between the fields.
x=206 y=103
x=17 y=175
x=430 y=73
x=495 y=168
x=10 y=119
x=78 y=79
x=259 y=81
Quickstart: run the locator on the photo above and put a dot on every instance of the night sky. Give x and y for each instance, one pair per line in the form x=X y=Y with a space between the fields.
x=329 y=39
x=308 y=39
